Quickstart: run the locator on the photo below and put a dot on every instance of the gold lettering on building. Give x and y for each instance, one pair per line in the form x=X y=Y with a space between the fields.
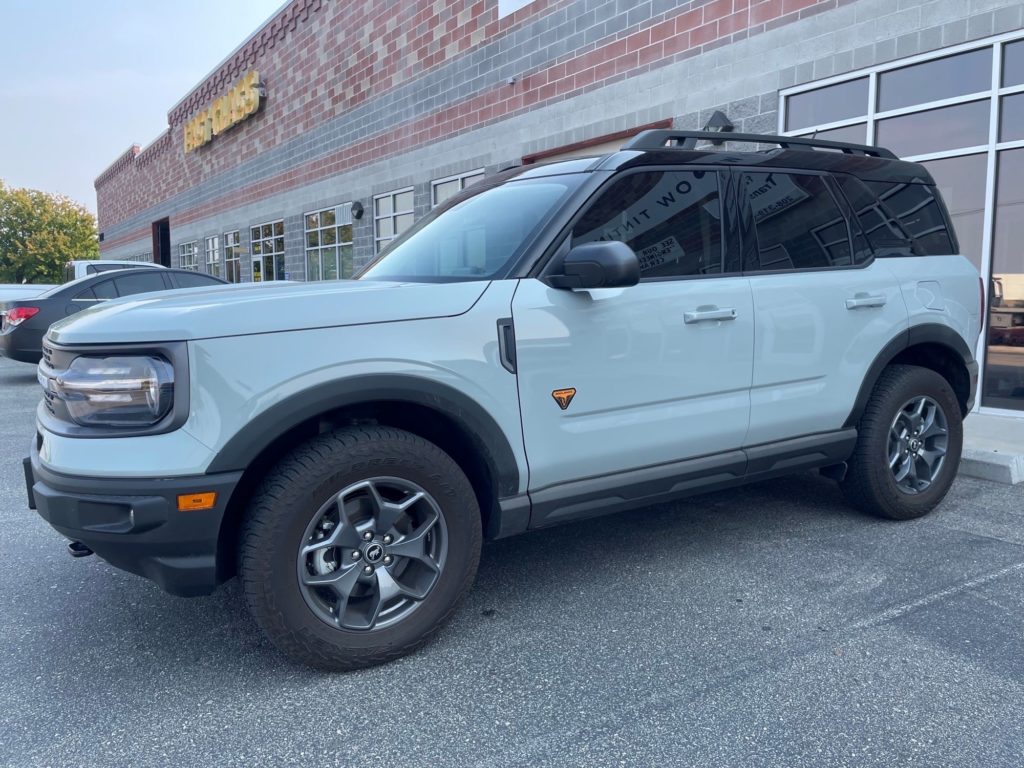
x=241 y=102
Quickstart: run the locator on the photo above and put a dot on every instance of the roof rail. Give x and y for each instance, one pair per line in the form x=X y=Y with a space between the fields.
x=660 y=138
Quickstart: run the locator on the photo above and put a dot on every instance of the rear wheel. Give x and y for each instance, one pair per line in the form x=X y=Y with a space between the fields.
x=908 y=445
x=358 y=546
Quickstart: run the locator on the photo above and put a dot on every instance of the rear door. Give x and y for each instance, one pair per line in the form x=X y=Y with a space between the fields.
x=617 y=379
x=823 y=307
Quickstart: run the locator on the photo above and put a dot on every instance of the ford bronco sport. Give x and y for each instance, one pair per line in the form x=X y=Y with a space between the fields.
x=556 y=342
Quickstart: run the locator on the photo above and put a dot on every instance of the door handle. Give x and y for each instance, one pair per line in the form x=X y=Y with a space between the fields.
x=709 y=312
x=865 y=300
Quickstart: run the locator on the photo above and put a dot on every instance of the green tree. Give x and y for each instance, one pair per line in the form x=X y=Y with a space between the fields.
x=40 y=233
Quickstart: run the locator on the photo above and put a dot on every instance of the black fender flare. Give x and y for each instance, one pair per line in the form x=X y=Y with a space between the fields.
x=926 y=333
x=250 y=441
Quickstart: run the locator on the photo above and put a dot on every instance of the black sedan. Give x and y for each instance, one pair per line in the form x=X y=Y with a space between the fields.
x=25 y=322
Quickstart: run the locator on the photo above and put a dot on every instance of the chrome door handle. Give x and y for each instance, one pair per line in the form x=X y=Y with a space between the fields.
x=865 y=300
x=703 y=313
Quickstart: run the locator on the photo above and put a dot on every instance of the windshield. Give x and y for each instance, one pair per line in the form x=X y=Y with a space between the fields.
x=477 y=238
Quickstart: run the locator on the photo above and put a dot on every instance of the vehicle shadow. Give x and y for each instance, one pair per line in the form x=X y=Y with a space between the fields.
x=519 y=578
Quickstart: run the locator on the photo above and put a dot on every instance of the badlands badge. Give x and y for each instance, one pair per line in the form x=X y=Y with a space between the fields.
x=564 y=396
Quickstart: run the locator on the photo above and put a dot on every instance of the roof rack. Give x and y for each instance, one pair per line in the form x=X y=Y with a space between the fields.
x=660 y=138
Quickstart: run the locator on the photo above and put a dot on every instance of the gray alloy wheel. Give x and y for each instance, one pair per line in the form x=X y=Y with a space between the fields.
x=372 y=553
x=918 y=442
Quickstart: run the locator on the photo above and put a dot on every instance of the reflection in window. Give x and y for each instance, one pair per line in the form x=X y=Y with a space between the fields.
x=1013 y=63
x=852 y=134
x=672 y=220
x=827 y=105
x=798 y=223
x=937 y=79
x=898 y=218
x=1011 y=120
x=962 y=125
x=329 y=243
x=961 y=184
x=267 y=241
x=1004 y=367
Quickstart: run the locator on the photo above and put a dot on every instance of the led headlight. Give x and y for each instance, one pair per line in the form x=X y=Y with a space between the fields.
x=116 y=391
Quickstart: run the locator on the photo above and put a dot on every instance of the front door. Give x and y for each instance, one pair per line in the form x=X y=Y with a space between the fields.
x=619 y=379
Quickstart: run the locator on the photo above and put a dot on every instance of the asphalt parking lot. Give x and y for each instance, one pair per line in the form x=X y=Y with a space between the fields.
x=766 y=627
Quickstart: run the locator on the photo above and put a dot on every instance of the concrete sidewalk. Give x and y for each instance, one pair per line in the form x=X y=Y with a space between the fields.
x=993 y=448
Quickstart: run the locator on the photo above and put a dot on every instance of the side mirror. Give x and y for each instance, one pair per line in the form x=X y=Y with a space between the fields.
x=604 y=264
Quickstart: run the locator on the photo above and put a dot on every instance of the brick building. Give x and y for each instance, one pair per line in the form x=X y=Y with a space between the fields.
x=340 y=122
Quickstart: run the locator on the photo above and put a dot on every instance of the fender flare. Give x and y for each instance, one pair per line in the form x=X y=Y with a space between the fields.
x=261 y=431
x=926 y=333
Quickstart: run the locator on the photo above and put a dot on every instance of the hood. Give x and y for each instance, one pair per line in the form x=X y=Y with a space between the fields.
x=235 y=310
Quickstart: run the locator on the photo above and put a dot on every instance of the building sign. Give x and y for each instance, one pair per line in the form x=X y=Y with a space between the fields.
x=241 y=102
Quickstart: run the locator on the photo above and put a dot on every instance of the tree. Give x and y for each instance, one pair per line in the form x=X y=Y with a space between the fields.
x=40 y=233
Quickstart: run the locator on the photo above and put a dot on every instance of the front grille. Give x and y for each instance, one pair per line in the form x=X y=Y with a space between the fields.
x=47 y=354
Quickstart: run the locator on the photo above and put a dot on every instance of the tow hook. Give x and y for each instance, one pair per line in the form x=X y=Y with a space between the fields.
x=78 y=549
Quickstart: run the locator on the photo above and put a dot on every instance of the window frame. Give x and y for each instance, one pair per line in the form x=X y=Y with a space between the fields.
x=213 y=266
x=190 y=248
x=377 y=239
x=459 y=177
x=274 y=253
x=236 y=258
x=338 y=243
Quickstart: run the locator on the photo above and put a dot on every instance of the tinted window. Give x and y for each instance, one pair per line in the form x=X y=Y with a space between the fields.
x=195 y=281
x=827 y=105
x=798 y=223
x=899 y=217
x=142 y=282
x=1013 y=63
x=938 y=79
x=671 y=219
x=961 y=183
x=962 y=125
x=852 y=134
x=105 y=290
x=1011 y=121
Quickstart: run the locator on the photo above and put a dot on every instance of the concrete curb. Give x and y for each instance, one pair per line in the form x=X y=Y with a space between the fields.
x=1006 y=468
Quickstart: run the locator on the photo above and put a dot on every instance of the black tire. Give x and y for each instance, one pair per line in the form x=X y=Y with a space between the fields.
x=870 y=485
x=297 y=490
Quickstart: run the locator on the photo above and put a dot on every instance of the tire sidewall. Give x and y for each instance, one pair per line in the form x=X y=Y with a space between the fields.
x=450 y=490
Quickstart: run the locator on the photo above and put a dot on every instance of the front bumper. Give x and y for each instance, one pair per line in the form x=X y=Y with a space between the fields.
x=134 y=523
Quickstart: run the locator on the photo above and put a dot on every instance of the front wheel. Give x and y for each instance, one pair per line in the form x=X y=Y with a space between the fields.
x=358 y=546
x=908 y=445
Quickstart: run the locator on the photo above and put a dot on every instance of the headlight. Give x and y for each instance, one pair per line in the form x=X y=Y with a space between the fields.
x=116 y=391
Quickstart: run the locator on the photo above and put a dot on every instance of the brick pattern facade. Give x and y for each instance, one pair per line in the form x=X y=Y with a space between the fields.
x=361 y=92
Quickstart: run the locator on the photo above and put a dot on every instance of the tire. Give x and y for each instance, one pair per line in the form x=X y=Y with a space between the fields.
x=871 y=484
x=311 y=606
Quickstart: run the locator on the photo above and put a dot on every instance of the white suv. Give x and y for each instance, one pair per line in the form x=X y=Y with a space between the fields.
x=555 y=343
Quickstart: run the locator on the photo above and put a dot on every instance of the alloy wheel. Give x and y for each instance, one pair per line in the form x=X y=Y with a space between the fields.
x=918 y=442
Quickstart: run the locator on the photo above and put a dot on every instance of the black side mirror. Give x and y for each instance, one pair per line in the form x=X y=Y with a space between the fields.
x=604 y=264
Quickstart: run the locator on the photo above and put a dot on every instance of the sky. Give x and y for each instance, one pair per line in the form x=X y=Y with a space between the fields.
x=83 y=80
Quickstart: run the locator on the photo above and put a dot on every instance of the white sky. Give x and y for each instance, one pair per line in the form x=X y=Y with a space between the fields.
x=83 y=80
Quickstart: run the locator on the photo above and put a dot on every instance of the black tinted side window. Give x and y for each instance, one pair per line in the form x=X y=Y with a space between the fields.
x=105 y=290
x=899 y=217
x=798 y=223
x=671 y=219
x=139 y=283
x=195 y=281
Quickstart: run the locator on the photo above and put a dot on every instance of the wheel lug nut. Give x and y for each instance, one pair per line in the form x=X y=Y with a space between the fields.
x=367 y=535
x=387 y=559
x=367 y=569
x=388 y=539
x=356 y=554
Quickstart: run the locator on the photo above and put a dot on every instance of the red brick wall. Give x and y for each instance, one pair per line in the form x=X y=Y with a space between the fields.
x=321 y=58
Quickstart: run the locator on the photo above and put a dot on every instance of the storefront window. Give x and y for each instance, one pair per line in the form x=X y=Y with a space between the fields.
x=1013 y=63
x=442 y=189
x=232 y=257
x=187 y=258
x=392 y=215
x=329 y=243
x=937 y=79
x=827 y=105
x=852 y=134
x=1004 y=366
x=1011 y=121
x=963 y=125
x=961 y=181
x=213 y=255
x=267 y=251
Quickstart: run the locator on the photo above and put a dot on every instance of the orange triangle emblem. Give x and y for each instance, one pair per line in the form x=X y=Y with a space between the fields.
x=564 y=396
